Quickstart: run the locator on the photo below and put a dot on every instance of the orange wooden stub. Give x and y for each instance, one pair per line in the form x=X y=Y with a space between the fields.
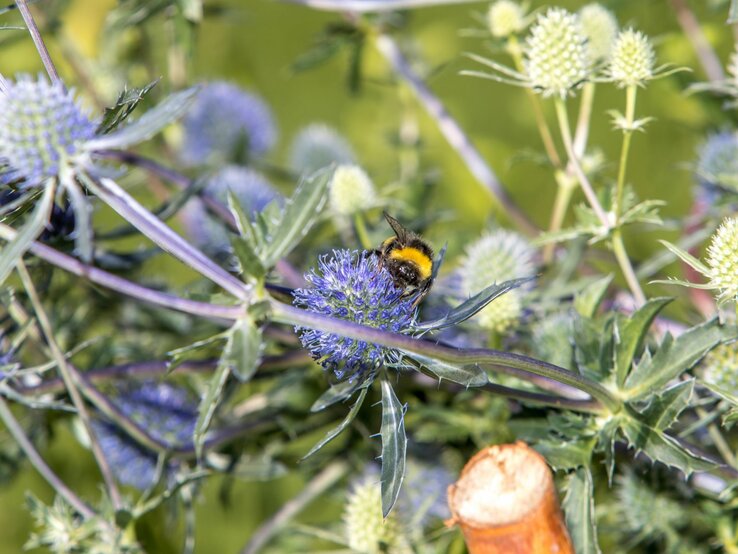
x=505 y=503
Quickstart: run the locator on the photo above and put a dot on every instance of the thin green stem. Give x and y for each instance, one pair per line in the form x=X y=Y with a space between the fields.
x=564 y=190
x=563 y=118
x=38 y=462
x=720 y=443
x=69 y=381
x=513 y=47
x=514 y=364
x=583 y=121
x=618 y=248
x=327 y=478
x=361 y=232
x=630 y=102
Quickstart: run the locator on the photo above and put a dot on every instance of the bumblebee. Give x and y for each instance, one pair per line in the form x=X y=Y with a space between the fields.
x=409 y=260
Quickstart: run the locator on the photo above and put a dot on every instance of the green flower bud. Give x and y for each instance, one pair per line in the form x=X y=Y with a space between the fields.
x=722 y=260
x=496 y=257
x=632 y=60
x=351 y=190
x=505 y=18
x=557 y=60
x=600 y=28
x=720 y=367
x=366 y=530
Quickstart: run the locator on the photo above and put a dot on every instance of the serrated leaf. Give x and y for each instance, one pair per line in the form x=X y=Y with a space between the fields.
x=665 y=407
x=659 y=446
x=244 y=353
x=339 y=392
x=725 y=394
x=249 y=262
x=580 y=512
x=470 y=307
x=394 y=447
x=675 y=356
x=606 y=444
x=172 y=107
x=209 y=403
x=631 y=335
x=589 y=299
x=299 y=214
x=124 y=106
x=333 y=433
x=470 y=375
x=13 y=250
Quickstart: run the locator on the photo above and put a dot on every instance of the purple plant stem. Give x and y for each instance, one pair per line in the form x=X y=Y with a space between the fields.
x=123 y=286
x=453 y=133
x=37 y=40
x=290 y=275
x=545 y=375
x=40 y=464
x=138 y=216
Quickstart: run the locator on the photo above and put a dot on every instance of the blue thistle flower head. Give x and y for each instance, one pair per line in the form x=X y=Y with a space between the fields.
x=226 y=123
x=349 y=285
x=717 y=162
x=42 y=130
x=166 y=412
x=252 y=190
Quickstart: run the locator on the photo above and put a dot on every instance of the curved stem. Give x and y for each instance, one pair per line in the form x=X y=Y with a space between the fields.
x=330 y=475
x=497 y=360
x=38 y=462
x=361 y=232
x=123 y=286
x=618 y=248
x=65 y=371
x=453 y=133
x=127 y=206
x=563 y=118
x=630 y=102
x=513 y=47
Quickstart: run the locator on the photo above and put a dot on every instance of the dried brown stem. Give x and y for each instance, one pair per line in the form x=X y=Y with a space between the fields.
x=505 y=503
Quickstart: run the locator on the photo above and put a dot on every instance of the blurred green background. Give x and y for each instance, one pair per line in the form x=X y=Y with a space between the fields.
x=255 y=46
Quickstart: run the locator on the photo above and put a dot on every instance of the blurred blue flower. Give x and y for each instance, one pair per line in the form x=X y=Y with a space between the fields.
x=253 y=192
x=226 y=123
x=349 y=285
x=423 y=496
x=317 y=146
x=717 y=162
x=42 y=130
x=164 y=411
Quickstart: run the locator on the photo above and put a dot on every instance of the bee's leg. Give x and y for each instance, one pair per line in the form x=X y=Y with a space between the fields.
x=380 y=262
x=423 y=292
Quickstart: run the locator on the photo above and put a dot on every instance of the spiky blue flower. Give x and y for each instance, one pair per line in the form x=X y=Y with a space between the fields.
x=166 y=412
x=42 y=130
x=253 y=192
x=226 y=124
x=349 y=285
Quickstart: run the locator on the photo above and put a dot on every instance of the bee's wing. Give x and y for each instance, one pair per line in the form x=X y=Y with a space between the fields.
x=402 y=233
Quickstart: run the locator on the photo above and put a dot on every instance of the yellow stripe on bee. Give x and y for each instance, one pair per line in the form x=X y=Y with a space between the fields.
x=423 y=262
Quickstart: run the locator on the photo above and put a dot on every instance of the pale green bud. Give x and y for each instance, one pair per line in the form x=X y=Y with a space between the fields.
x=720 y=367
x=505 y=18
x=366 y=530
x=496 y=257
x=351 y=190
x=600 y=28
x=722 y=260
x=557 y=60
x=632 y=60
